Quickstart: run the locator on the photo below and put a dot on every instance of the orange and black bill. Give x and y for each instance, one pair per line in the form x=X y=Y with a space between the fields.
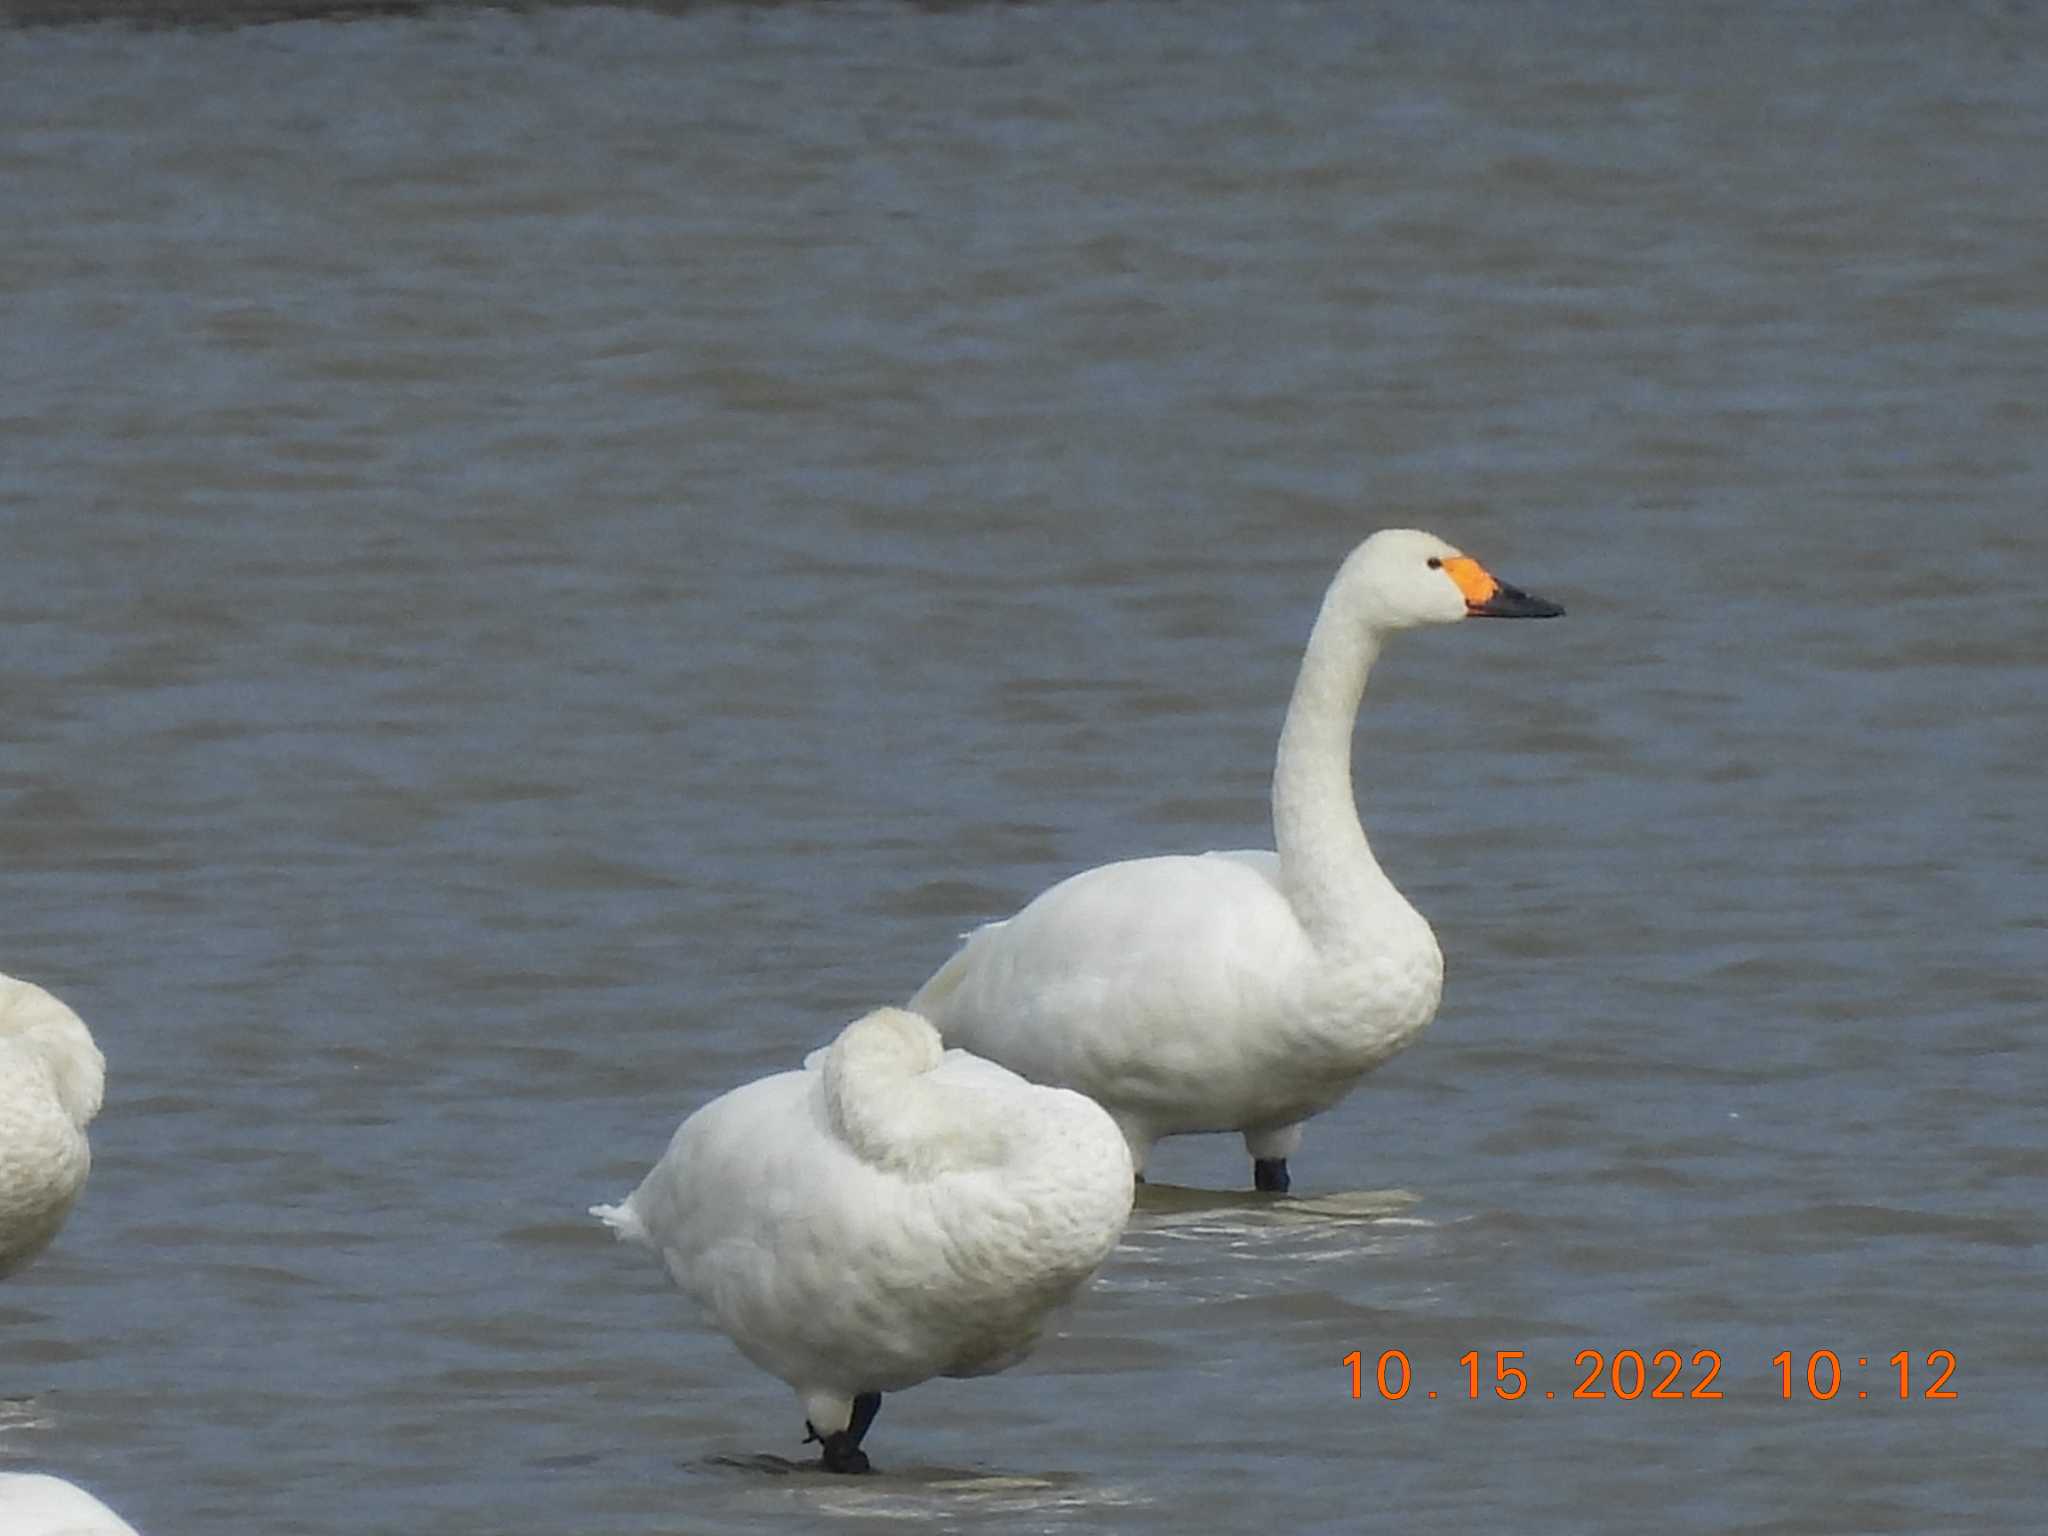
x=1487 y=597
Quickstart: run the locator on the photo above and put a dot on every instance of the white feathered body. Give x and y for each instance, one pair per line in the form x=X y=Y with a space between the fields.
x=890 y=1213
x=1185 y=995
x=36 y=1504
x=51 y=1078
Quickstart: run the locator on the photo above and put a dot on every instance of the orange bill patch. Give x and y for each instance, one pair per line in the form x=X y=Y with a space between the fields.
x=1472 y=578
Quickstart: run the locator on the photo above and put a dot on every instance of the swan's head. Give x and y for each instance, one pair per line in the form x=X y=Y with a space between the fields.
x=1404 y=577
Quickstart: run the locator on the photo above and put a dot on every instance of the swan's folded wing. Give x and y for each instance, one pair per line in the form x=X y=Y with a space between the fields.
x=965 y=1069
x=1121 y=970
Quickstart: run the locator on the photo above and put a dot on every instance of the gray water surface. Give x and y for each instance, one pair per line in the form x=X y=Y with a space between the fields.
x=550 y=559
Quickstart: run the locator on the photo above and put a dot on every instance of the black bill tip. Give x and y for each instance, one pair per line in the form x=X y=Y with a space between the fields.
x=1508 y=602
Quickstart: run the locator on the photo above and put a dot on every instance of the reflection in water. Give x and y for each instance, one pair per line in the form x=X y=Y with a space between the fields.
x=908 y=1492
x=1164 y=1205
x=19 y=1414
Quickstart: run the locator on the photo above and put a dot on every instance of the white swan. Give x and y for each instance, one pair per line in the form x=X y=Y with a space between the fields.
x=36 y=1504
x=893 y=1212
x=51 y=1078
x=1240 y=991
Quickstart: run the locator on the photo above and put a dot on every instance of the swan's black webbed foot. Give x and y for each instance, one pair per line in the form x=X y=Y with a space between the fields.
x=1269 y=1175
x=841 y=1455
x=842 y=1452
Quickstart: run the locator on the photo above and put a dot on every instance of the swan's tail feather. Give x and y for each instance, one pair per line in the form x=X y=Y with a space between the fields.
x=623 y=1220
x=932 y=997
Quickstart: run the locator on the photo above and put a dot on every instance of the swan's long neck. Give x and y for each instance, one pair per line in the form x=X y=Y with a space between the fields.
x=1331 y=877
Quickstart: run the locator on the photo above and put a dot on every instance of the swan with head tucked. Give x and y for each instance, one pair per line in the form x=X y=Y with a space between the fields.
x=37 y=1504
x=1237 y=991
x=892 y=1212
x=51 y=1078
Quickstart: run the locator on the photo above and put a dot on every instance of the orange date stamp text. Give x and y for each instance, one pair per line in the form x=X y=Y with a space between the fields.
x=1664 y=1375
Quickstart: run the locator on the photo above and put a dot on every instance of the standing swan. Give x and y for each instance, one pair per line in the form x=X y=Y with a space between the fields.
x=890 y=1213
x=1240 y=991
x=51 y=1077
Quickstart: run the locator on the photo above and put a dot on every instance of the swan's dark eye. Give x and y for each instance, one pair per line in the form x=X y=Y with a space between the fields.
x=1435 y=564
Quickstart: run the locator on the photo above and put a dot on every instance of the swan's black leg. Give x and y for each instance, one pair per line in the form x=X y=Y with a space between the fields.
x=842 y=1447
x=865 y=1407
x=1269 y=1175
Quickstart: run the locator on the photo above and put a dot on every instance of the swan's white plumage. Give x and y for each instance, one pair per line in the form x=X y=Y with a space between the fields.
x=51 y=1078
x=36 y=1504
x=1239 y=991
x=890 y=1213
x=1224 y=1016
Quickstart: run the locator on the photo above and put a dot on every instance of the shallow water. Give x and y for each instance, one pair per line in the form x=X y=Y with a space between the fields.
x=549 y=559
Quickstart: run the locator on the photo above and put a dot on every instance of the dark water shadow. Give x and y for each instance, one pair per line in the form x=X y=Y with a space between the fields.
x=918 y=1491
x=965 y=1480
